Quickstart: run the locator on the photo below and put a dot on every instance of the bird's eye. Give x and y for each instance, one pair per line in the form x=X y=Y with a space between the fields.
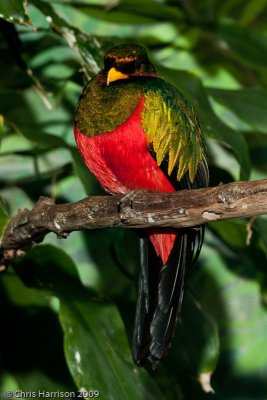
x=109 y=62
x=129 y=66
x=137 y=65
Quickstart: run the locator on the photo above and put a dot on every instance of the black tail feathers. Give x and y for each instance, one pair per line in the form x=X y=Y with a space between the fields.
x=160 y=295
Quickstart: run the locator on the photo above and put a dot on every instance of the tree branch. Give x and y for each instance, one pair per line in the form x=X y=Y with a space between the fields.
x=137 y=209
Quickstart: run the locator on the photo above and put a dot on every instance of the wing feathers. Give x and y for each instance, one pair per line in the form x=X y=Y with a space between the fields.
x=172 y=130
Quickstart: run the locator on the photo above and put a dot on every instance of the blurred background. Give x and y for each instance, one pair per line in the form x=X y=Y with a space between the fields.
x=67 y=308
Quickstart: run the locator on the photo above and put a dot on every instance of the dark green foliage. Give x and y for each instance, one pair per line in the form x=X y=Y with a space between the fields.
x=68 y=307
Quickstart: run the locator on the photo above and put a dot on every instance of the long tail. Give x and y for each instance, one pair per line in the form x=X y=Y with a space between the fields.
x=160 y=294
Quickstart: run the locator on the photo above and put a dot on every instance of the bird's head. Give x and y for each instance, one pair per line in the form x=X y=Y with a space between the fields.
x=127 y=61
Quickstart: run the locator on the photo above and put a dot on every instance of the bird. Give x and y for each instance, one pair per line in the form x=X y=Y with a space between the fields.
x=136 y=131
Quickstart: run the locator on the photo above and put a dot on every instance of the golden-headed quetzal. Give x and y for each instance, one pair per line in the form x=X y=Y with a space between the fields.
x=136 y=131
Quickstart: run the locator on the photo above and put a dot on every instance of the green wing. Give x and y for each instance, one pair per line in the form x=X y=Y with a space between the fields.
x=173 y=130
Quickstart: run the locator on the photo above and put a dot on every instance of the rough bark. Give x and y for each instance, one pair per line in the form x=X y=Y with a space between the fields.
x=137 y=209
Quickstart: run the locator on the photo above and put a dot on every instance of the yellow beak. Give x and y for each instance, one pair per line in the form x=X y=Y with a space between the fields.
x=115 y=75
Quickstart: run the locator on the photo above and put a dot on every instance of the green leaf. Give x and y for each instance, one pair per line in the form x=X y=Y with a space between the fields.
x=227 y=287
x=192 y=88
x=130 y=11
x=19 y=168
x=250 y=44
x=14 y=11
x=191 y=353
x=15 y=143
x=15 y=199
x=96 y=345
x=249 y=104
x=232 y=232
x=3 y=217
x=27 y=113
x=20 y=295
x=43 y=368
x=86 y=45
x=8 y=383
x=252 y=10
x=98 y=353
x=49 y=268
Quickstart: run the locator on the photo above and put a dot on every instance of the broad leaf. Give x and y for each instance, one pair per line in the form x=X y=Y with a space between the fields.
x=252 y=11
x=96 y=345
x=86 y=45
x=136 y=11
x=249 y=44
x=228 y=289
x=14 y=11
x=248 y=104
x=195 y=353
x=98 y=353
x=15 y=143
